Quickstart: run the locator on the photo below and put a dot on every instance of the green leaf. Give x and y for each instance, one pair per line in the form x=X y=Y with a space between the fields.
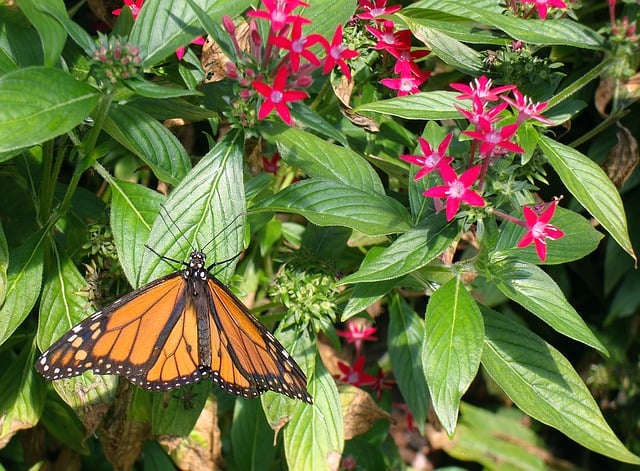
x=329 y=203
x=533 y=289
x=365 y=294
x=453 y=342
x=150 y=141
x=411 y=251
x=133 y=209
x=40 y=103
x=171 y=108
x=22 y=395
x=318 y=158
x=580 y=238
x=450 y=50
x=62 y=305
x=74 y=30
x=251 y=437
x=591 y=187
x=542 y=382
x=4 y=264
x=63 y=423
x=176 y=412
x=541 y=32
x=203 y=210
x=314 y=437
x=422 y=106
x=162 y=27
x=405 y=338
x=24 y=280
x=52 y=34
x=153 y=90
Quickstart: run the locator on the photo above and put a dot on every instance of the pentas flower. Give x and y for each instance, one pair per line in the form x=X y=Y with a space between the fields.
x=480 y=111
x=388 y=38
x=376 y=8
x=543 y=5
x=358 y=333
x=276 y=96
x=298 y=46
x=134 y=6
x=539 y=229
x=406 y=85
x=181 y=51
x=492 y=138
x=432 y=159
x=406 y=65
x=337 y=53
x=354 y=374
x=456 y=189
x=278 y=13
x=381 y=384
x=526 y=108
x=482 y=89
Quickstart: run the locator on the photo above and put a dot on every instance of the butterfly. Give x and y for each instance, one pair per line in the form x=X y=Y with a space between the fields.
x=178 y=330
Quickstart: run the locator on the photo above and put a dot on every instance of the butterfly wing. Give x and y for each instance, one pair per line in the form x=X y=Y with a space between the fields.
x=149 y=336
x=246 y=358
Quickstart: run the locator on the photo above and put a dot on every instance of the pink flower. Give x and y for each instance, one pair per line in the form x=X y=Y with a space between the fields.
x=492 y=138
x=375 y=8
x=271 y=165
x=181 y=51
x=134 y=6
x=277 y=12
x=276 y=96
x=482 y=89
x=337 y=53
x=355 y=375
x=526 y=108
x=381 y=384
x=298 y=46
x=432 y=159
x=357 y=333
x=539 y=229
x=406 y=64
x=479 y=111
x=388 y=39
x=406 y=85
x=543 y=5
x=456 y=189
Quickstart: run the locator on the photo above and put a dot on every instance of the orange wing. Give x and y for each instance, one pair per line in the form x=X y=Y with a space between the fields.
x=246 y=358
x=148 y=336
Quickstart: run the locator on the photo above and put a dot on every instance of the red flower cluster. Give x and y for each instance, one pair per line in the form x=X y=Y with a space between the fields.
x=493 y=131
x=397 y=44
x=281 y=67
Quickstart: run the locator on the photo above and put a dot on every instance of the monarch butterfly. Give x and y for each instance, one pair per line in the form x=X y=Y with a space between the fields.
x=174 y=331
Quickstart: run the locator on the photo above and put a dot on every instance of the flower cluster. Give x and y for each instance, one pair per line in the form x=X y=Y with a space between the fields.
x=493 y=133
x=277 y=71
x=115 y=60
x=541 y=6
x=397 y=44
x=354 y=374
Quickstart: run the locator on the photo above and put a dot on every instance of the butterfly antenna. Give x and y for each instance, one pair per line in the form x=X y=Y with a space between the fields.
x=174 y=224
x=224 y=229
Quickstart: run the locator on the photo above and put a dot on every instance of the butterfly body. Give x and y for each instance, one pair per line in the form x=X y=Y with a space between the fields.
x=175 y=331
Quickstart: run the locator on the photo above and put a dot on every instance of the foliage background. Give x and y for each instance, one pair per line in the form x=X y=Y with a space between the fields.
x=81 y=199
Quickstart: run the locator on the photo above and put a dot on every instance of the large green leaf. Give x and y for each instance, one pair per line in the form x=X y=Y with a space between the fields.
x=251 y=438
x=321 y=159
x=202 y=212
x=449 y=50
x=162 y=27
x=405 y=339
x=409 y=252
x=591 y=187
x=453 y=342
x=133 y=209
x=533 y=289
x=542 y=382
x=24 y=280
x=4 y=264
x=422 y=106
x=149 y=140
x=330 y=203
x=543 y=32
x=40 y=103
x=52 y=34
